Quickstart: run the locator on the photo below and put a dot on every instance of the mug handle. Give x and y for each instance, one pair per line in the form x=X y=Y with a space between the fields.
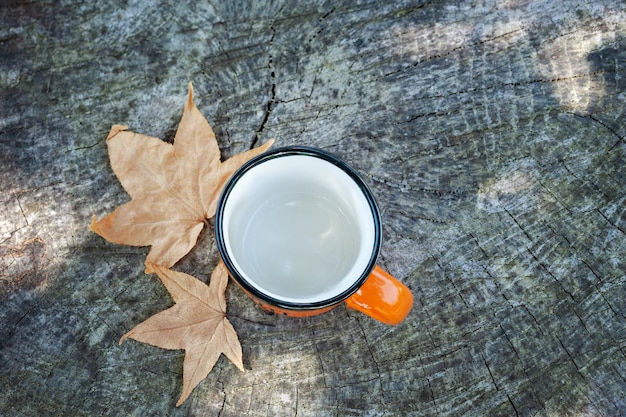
x=382 y=297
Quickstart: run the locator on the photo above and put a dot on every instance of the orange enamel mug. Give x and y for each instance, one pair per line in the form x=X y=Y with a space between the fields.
x=300 y=232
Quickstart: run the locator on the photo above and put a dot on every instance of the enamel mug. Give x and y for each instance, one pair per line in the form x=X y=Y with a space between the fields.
x=300 y=232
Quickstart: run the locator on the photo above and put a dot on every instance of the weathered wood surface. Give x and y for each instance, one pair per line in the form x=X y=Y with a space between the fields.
x=492 y=133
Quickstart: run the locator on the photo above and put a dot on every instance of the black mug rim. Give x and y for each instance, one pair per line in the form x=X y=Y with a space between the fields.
x=291 y=151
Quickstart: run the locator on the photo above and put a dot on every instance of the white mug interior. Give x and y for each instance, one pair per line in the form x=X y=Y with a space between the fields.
x=299 y=229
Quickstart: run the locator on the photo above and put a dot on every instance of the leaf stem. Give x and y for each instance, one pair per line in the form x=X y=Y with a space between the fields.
x=249 y=321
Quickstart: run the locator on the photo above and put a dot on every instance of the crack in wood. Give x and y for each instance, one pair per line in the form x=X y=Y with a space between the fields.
x=543 y=266
x=465 y=47
x=493 y=380
x=272 y=98
x=569 y=355
x=517 y=223
x=319 y=355
x=512 y=404
x=534 y=319
x=404 y=186
x=297 y=400
x=499 y=86
x=223 y=393
x=620 y=138
x=517 y=355
x=610 y=222
x=22 y=211
x=371 y=353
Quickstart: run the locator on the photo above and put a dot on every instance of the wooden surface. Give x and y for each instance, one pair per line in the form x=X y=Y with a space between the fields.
x=492 y=133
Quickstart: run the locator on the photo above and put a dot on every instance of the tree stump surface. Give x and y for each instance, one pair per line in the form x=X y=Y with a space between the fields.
x=492 y=134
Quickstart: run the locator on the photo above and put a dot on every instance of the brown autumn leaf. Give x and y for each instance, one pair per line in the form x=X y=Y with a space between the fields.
x=174 y=188
x=196 y=323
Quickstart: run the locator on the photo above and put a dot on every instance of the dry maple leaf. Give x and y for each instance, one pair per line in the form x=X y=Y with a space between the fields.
x=174 y=188
x=196 y=323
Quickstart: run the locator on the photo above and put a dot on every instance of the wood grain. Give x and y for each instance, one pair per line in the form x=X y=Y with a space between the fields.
x=491 y=132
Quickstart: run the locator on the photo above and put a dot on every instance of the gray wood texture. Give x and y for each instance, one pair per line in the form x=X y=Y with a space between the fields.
x=492 y=133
